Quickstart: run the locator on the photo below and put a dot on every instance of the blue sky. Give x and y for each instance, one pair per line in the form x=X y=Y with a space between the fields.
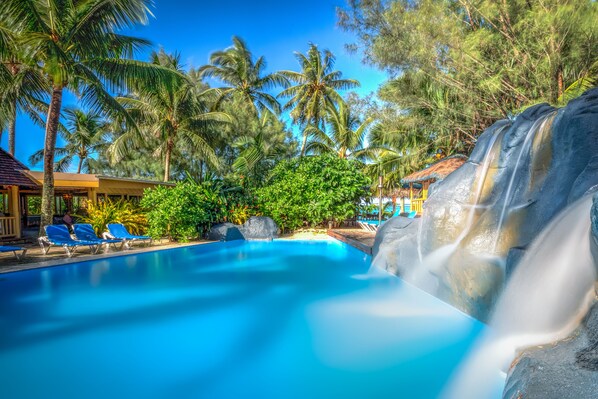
x=274 y=29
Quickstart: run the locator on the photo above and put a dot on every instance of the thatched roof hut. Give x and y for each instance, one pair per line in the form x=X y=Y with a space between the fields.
x=437 y=171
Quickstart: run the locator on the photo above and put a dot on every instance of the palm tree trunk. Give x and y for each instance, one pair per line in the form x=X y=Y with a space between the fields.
x=12 y=130
x=303 y=144
x=80 y=165
x=49 y=147
x=169 y=146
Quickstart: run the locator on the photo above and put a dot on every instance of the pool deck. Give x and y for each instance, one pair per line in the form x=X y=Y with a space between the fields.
x=357 y=238
x=56 y=257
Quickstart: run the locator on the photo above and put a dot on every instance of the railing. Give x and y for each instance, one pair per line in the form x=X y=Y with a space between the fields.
x=417 y=205
x=7 y=227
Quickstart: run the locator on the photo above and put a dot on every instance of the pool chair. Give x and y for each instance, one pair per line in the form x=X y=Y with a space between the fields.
x=85 y=232
x=119 y=232
x=59 y=236
x=18 y=252
x=412 y=214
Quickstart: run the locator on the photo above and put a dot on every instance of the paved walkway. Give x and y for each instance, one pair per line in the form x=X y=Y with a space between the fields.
x=35 y=258
x=358 y=238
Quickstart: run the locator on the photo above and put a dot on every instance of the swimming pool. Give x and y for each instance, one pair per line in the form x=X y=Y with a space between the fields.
x=281 y=319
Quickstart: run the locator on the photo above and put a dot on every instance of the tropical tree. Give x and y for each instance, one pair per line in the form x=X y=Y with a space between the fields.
x=260 y=149
x=166 y=114
x=244 y=78
x=76 y=47
x=85 y=136
x=345 y=135
x=315 y=88
x=22 y=86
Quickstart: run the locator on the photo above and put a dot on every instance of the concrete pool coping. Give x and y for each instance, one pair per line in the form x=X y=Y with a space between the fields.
x=60 y=258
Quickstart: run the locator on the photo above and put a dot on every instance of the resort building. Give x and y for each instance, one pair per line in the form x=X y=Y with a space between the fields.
x=419 y=182
x=20 y=191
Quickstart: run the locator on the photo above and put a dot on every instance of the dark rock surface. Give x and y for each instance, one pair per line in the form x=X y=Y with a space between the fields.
x=259 y=228
x=483 y=216
x=225 y=232
x=567 y=369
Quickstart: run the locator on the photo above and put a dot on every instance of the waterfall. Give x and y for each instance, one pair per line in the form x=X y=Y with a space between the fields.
x=539 y=125
x=429 y=269
x=548 y=294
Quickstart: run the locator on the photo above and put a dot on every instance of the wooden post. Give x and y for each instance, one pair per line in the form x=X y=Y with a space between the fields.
x=380 y=186
x=15 y=210
x=92 y=195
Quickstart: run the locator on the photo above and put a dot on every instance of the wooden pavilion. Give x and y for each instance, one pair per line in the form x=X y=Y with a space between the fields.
x=436 y=172
x=18 y=184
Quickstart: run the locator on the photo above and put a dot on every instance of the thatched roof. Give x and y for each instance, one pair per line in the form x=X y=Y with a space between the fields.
x=11 y=172
x=437 y=171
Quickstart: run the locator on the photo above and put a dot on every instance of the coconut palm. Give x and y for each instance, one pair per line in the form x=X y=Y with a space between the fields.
x=261 y=148
x=75 y=46
x=244 y=77
x=344 y=135
x=169 y=116
x=22 y=86
x=85 y=136
x=316 y=88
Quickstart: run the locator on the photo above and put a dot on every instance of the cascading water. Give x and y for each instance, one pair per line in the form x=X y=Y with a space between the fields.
x=540 y=125
x=533 y=308
x=426 y=275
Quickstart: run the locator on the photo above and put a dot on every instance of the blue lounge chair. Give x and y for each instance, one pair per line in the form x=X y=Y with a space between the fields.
x=59 y=236
x=119 y=232
x=14 y=250
x=85 y=232
x=412 y=214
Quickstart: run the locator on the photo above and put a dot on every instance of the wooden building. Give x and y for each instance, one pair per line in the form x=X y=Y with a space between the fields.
x=436 y=172
x=18 y=184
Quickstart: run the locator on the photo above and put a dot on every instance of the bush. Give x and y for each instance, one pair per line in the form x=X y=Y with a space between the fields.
x=312 y=191
x=103 y=213
x=182 y=212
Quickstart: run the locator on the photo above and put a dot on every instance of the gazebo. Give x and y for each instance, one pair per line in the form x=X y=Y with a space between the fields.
x=436 y=172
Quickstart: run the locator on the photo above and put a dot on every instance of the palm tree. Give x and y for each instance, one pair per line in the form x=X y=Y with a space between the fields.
x=345 y=135
x=315 y=88
x=84 y=138
x=75 y=46
x=243 y=76
x=22 y=87
x=261 y=148
x=168 y=114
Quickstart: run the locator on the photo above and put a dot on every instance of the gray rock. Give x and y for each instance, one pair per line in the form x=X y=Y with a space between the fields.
x=537 y=165
x=259 y=228
x=225 y=232
x=386 y=254
x=567 y=369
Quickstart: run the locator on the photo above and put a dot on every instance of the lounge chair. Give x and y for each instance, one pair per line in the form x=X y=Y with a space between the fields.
x=59 y=236
x=412 y=214
x=119 y=232
x=85 y=232
x=14 y=250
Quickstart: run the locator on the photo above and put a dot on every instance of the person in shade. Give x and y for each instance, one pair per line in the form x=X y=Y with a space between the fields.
x=68 y=220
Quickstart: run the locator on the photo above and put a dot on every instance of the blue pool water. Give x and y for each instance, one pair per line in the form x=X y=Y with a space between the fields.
x=278 y=319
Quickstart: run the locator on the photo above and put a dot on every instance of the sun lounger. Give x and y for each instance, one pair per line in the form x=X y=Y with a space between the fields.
x=59 y=236
x=119 y=231
x=85 y=232
x=14 y=250
x=412 y=214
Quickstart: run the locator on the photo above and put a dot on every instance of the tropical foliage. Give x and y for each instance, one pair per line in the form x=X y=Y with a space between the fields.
x=312 y=191
x=181 y=212
x=107 y=211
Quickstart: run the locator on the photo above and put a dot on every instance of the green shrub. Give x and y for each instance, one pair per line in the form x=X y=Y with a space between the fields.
x=312 y=191
x=182 y=212
x=103 y=213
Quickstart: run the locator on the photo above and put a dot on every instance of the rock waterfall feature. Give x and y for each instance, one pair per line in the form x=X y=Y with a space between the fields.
x=511 y=237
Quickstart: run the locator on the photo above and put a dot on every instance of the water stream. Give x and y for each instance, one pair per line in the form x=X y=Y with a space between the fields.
x=533 y=308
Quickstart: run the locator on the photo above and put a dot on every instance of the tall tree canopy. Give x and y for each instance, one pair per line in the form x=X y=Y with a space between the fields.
x=459 y=65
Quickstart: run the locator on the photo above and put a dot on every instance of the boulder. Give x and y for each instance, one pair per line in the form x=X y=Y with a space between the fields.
x=259 y=228
x=478 y=222
x=225 y=232
x=567 y=369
